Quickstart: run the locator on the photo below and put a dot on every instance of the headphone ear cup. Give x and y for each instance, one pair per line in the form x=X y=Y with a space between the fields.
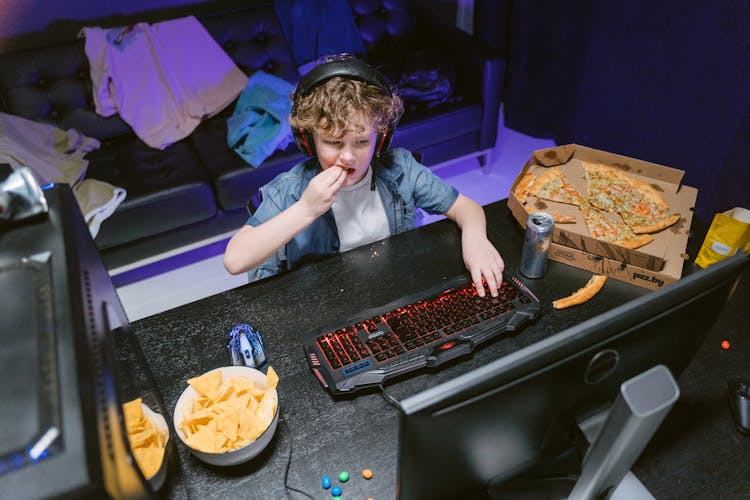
x=304 y=140
x=383 y=141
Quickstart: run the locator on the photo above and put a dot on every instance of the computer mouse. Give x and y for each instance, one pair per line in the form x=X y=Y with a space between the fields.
x=738 y=392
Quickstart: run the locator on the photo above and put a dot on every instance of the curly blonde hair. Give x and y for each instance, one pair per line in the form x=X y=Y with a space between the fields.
x=333 y=107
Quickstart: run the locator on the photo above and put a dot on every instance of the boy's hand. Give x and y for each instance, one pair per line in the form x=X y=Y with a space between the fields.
x=320 y=193
x=484 y=263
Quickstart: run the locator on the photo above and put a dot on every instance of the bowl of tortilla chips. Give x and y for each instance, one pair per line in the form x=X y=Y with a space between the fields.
x=228 y=415
x=148 y=435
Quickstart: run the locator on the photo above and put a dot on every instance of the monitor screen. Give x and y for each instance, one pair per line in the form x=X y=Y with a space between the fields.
x=67 y=364
x=477 y=431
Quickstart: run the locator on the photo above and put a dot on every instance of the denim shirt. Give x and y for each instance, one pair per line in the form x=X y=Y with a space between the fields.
x=404 y=185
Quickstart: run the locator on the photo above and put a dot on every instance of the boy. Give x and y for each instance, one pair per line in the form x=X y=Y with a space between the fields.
x=353 y=190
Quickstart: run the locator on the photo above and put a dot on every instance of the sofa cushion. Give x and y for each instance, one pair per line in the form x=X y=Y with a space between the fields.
x=235 y=180
x=167 y=189
x=420 y=128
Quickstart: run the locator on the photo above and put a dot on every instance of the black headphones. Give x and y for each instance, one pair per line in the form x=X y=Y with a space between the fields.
x=347 y=67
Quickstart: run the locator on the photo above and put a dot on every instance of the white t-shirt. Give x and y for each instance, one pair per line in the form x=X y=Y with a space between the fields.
x=360 y=215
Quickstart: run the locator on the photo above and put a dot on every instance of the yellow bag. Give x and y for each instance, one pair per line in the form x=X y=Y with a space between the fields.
x=729 y=233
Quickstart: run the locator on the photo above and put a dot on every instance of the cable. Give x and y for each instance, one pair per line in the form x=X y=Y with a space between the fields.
x=389 y=398
x=289 y=464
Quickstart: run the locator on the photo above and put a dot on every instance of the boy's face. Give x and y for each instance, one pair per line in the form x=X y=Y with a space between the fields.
x=352 y=152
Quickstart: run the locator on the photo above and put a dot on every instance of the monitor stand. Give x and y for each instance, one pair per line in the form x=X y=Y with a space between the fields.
x=636 y=414
x=617 y=435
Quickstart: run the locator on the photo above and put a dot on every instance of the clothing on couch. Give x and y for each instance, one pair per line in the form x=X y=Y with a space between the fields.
x=259 y=126
x=162 y=78
x=55 y=155
x=318 y=28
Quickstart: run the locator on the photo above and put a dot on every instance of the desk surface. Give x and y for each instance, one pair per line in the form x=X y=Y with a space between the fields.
x=326 y=435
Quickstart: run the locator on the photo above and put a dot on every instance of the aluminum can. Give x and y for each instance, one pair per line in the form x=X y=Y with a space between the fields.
x=536 y=241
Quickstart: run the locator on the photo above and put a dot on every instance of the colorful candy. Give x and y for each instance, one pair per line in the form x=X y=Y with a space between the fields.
x=325 y=482
x=344 y=476
x=336 y=491
x=367 y=474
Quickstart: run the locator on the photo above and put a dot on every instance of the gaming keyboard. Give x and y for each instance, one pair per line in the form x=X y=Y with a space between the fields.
x=417 y=331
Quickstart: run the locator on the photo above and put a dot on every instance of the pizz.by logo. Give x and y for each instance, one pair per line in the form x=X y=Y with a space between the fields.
x=650 y=279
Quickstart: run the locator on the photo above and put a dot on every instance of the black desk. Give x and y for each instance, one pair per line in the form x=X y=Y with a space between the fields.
x=327 y=435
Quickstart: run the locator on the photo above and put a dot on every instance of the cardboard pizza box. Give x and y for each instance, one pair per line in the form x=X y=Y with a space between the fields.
x=650 y=266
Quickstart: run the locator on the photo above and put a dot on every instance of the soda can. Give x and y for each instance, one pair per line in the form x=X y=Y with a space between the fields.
x=536 y=242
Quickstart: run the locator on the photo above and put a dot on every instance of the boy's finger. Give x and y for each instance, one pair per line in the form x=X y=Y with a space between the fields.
x=476 y=277
x=492 y=284
x=339 y=180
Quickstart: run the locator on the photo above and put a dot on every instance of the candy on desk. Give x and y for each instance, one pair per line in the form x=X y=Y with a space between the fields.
x=325 y=482
x=336 y=491
x=344 y=476
x=367 y=473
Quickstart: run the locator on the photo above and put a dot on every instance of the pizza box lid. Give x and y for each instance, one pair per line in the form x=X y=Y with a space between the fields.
x=665 y=254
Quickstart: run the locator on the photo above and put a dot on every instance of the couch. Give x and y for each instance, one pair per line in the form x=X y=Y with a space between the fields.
x=198 y=188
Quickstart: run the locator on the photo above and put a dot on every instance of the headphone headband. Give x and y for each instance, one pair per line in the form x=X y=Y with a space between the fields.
x=348 y=68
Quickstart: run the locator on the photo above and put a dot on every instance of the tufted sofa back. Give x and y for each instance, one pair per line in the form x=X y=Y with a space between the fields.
x=53 y=84
x=383 y=24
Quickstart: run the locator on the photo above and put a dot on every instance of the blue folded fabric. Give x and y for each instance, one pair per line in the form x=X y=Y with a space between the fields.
x=318 y=28
x=258 y=126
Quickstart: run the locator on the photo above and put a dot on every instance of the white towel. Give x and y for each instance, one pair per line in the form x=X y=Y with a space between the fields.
x=55 y=155
x=97 y=200
x=162 y=78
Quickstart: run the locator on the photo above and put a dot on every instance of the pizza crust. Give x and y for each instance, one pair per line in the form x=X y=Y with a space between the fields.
x=583 y=294
x=522 y=190
x=641 y=240
x=655 y=228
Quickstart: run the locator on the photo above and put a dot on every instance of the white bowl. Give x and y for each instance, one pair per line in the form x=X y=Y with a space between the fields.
x=157 y=480
x=240 y=455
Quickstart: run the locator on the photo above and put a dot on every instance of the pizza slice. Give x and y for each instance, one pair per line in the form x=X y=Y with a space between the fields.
x=638 y=203
x=561 y=218
x=650 y=213
x=606 y=189
x=552 y=185
x=609 y=227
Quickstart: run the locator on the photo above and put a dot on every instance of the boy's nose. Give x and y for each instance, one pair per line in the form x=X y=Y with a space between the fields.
x=346 y=155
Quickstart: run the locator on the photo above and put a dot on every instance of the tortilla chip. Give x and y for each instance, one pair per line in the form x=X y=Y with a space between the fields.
x=207 y=385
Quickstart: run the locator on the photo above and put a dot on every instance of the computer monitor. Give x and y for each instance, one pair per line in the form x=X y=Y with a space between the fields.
x=67 y=363
x=466 y=436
